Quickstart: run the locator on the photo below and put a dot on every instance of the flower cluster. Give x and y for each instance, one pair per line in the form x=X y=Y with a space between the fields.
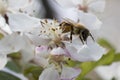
x=43 y=42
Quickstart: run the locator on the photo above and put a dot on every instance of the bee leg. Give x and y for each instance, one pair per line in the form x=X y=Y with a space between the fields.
x=71 y=33
x=71 y=36
x=92 y=37
x=81 y=39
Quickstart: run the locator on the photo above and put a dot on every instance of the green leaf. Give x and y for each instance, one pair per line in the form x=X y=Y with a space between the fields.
x=34 y=70
x=1 y=36
x=106 y=44
x=106 y=59
x=117 y=57
x=15 y=55
x=13 y=66
x=86 y=67
x=7 y=76
x=72 y=63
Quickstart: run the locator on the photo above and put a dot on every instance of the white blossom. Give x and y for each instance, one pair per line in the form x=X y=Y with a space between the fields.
x=67 y=73
x=109 y=72
x=85 y=5
x=14 y=43
x=30 y=7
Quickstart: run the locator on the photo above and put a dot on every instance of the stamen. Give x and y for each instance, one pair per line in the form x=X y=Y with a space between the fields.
x=53 y=29
x=46 y=21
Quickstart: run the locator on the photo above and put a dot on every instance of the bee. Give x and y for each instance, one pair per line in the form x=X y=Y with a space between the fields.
x=75 y=28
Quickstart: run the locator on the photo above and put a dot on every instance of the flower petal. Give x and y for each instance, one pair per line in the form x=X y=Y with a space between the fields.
x=38 y=40
x=3 y=60
x=11 y=43
x=42 y=51
x=30 y=7
x=97 y=5
x=28 y=50
x=66 y=3
x=41 y=56
x=89 y=20
x=41 y=61
x=87 y=52
x=15 y=43
x=71 y=13
x=17 y=4
x=58 y=51
x=69 y=73
x=49 y=74
x=22 y=22
x=109 y=72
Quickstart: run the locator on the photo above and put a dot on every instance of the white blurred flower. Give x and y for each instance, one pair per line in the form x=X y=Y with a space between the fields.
x=30 y=7
x=11 y=13
x=67 y=73
x=85 y=5
x=14 y=43
x=109 y=72
x=110 y=25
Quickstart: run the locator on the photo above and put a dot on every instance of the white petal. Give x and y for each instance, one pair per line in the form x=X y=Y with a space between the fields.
x=66 y=3
x=30 y=7
x=38 y=40
x=69 y=3
x=91 y=52
x=17 y=4
x=41 y=56
x=34 y=8
x=89 y=20
x=22 y=22
x=71 y=13
x=109 y=72
x=3 y=60
x=42 y=51
x=42 y=61
x=49 y=74
x=15 y=43
x=97 y=5
x=11 y=43
x=28 y=50
x=58 y=51
x=72 y=52
x=69 y=73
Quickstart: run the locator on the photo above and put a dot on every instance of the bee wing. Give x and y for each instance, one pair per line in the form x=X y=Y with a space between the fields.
x=75 y=24
x=70 y=21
